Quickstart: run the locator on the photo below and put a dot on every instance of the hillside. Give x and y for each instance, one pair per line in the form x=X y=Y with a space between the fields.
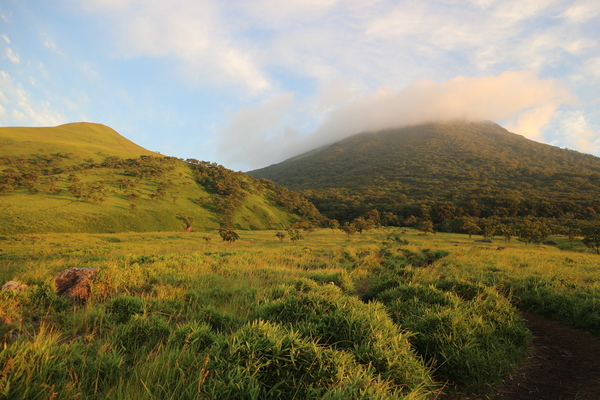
x=87 y=178
x=82 y=138
x=478 y=167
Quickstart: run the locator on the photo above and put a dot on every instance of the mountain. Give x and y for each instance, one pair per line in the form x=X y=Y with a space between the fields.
x=85 y=177
x=477 y=168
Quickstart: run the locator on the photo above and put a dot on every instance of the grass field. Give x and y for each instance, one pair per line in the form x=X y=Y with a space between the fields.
x=387 y=314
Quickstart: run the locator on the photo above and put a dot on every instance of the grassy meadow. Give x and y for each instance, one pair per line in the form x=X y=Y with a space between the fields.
x=387 y=314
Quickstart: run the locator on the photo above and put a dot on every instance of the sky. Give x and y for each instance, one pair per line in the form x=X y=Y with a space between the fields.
x=249 y=83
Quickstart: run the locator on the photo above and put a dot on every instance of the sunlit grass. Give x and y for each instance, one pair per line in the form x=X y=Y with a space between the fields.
x=157 y=295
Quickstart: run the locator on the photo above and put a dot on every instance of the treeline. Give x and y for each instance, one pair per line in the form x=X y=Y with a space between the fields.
x=347 y=204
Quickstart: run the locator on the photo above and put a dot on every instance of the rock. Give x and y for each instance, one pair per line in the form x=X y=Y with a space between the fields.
x=550 y=243
x=74 y=283
x=501 y=248
x=484 y=240
x=13 y=285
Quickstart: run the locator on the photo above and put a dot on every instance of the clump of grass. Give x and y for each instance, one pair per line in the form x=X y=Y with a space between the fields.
x=268 y=361
x=469 y=333
x=342 y=322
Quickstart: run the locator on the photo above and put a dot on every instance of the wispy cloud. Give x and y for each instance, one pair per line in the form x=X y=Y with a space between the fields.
x=51 y=45
x=12 y=56
x=20 y=108
x=192 y=32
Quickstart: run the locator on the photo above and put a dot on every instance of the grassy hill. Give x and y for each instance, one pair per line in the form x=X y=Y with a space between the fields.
x=86 y=177
x=477 y=167
x=82 y=138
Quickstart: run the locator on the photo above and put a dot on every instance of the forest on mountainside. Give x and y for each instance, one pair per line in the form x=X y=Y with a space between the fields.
x=453 y=169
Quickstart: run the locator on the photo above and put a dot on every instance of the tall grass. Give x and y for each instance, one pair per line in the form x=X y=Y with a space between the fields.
x=174 y=316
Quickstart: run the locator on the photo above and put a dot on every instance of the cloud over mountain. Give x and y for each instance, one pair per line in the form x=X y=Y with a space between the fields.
x=524 y=101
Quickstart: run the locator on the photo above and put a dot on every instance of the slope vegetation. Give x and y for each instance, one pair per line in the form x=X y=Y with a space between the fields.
x=87 y=178
x=477 y=167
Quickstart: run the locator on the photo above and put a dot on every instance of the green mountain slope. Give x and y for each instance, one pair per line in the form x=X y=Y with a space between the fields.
x=87 y=178
x=479 y=167
x=84 y=139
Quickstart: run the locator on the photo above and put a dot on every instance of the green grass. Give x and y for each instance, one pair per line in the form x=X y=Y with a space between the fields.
x=40 y=166
x=84 y=139
x=174 y=316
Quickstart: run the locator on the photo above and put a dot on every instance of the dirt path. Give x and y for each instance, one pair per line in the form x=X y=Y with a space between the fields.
x=564 y=364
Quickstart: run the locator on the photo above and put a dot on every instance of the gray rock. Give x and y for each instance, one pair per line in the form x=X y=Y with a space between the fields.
x=13 y=285
x=74 y=283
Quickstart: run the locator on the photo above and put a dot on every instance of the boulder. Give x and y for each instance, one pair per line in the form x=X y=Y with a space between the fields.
x=74 y=283
x=484 y=240
x=13 y=285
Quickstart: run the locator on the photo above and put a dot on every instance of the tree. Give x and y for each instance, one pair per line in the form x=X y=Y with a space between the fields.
x=333 y=224
x=133 y=199
x=470 y=225
x=374 y=217
x=425 y=226
x=531 y=230
x=572 y=233
x=411 y=221
x=389 y=218
x=489 y=226
x=280 y=236
x=294 y=234
x=508 y=231
x=592 y=238
x=348 y=228
x=229 y=235
x=362 y=224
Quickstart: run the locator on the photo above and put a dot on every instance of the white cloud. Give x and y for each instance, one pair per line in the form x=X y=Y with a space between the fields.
x=13 y=56
x=582 y=11
x=21 y=108
x=588 y=71
x=51 y=45
x=380 y=42
x=578 y=133
x=526 y=102
x=5 y=38
x=278 y=14
x=250 y=135
x=191 y=32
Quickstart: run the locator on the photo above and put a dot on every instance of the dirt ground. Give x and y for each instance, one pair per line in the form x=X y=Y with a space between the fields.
x=563 y=364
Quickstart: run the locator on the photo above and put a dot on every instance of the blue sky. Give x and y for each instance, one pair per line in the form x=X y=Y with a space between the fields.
x=247 y=83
